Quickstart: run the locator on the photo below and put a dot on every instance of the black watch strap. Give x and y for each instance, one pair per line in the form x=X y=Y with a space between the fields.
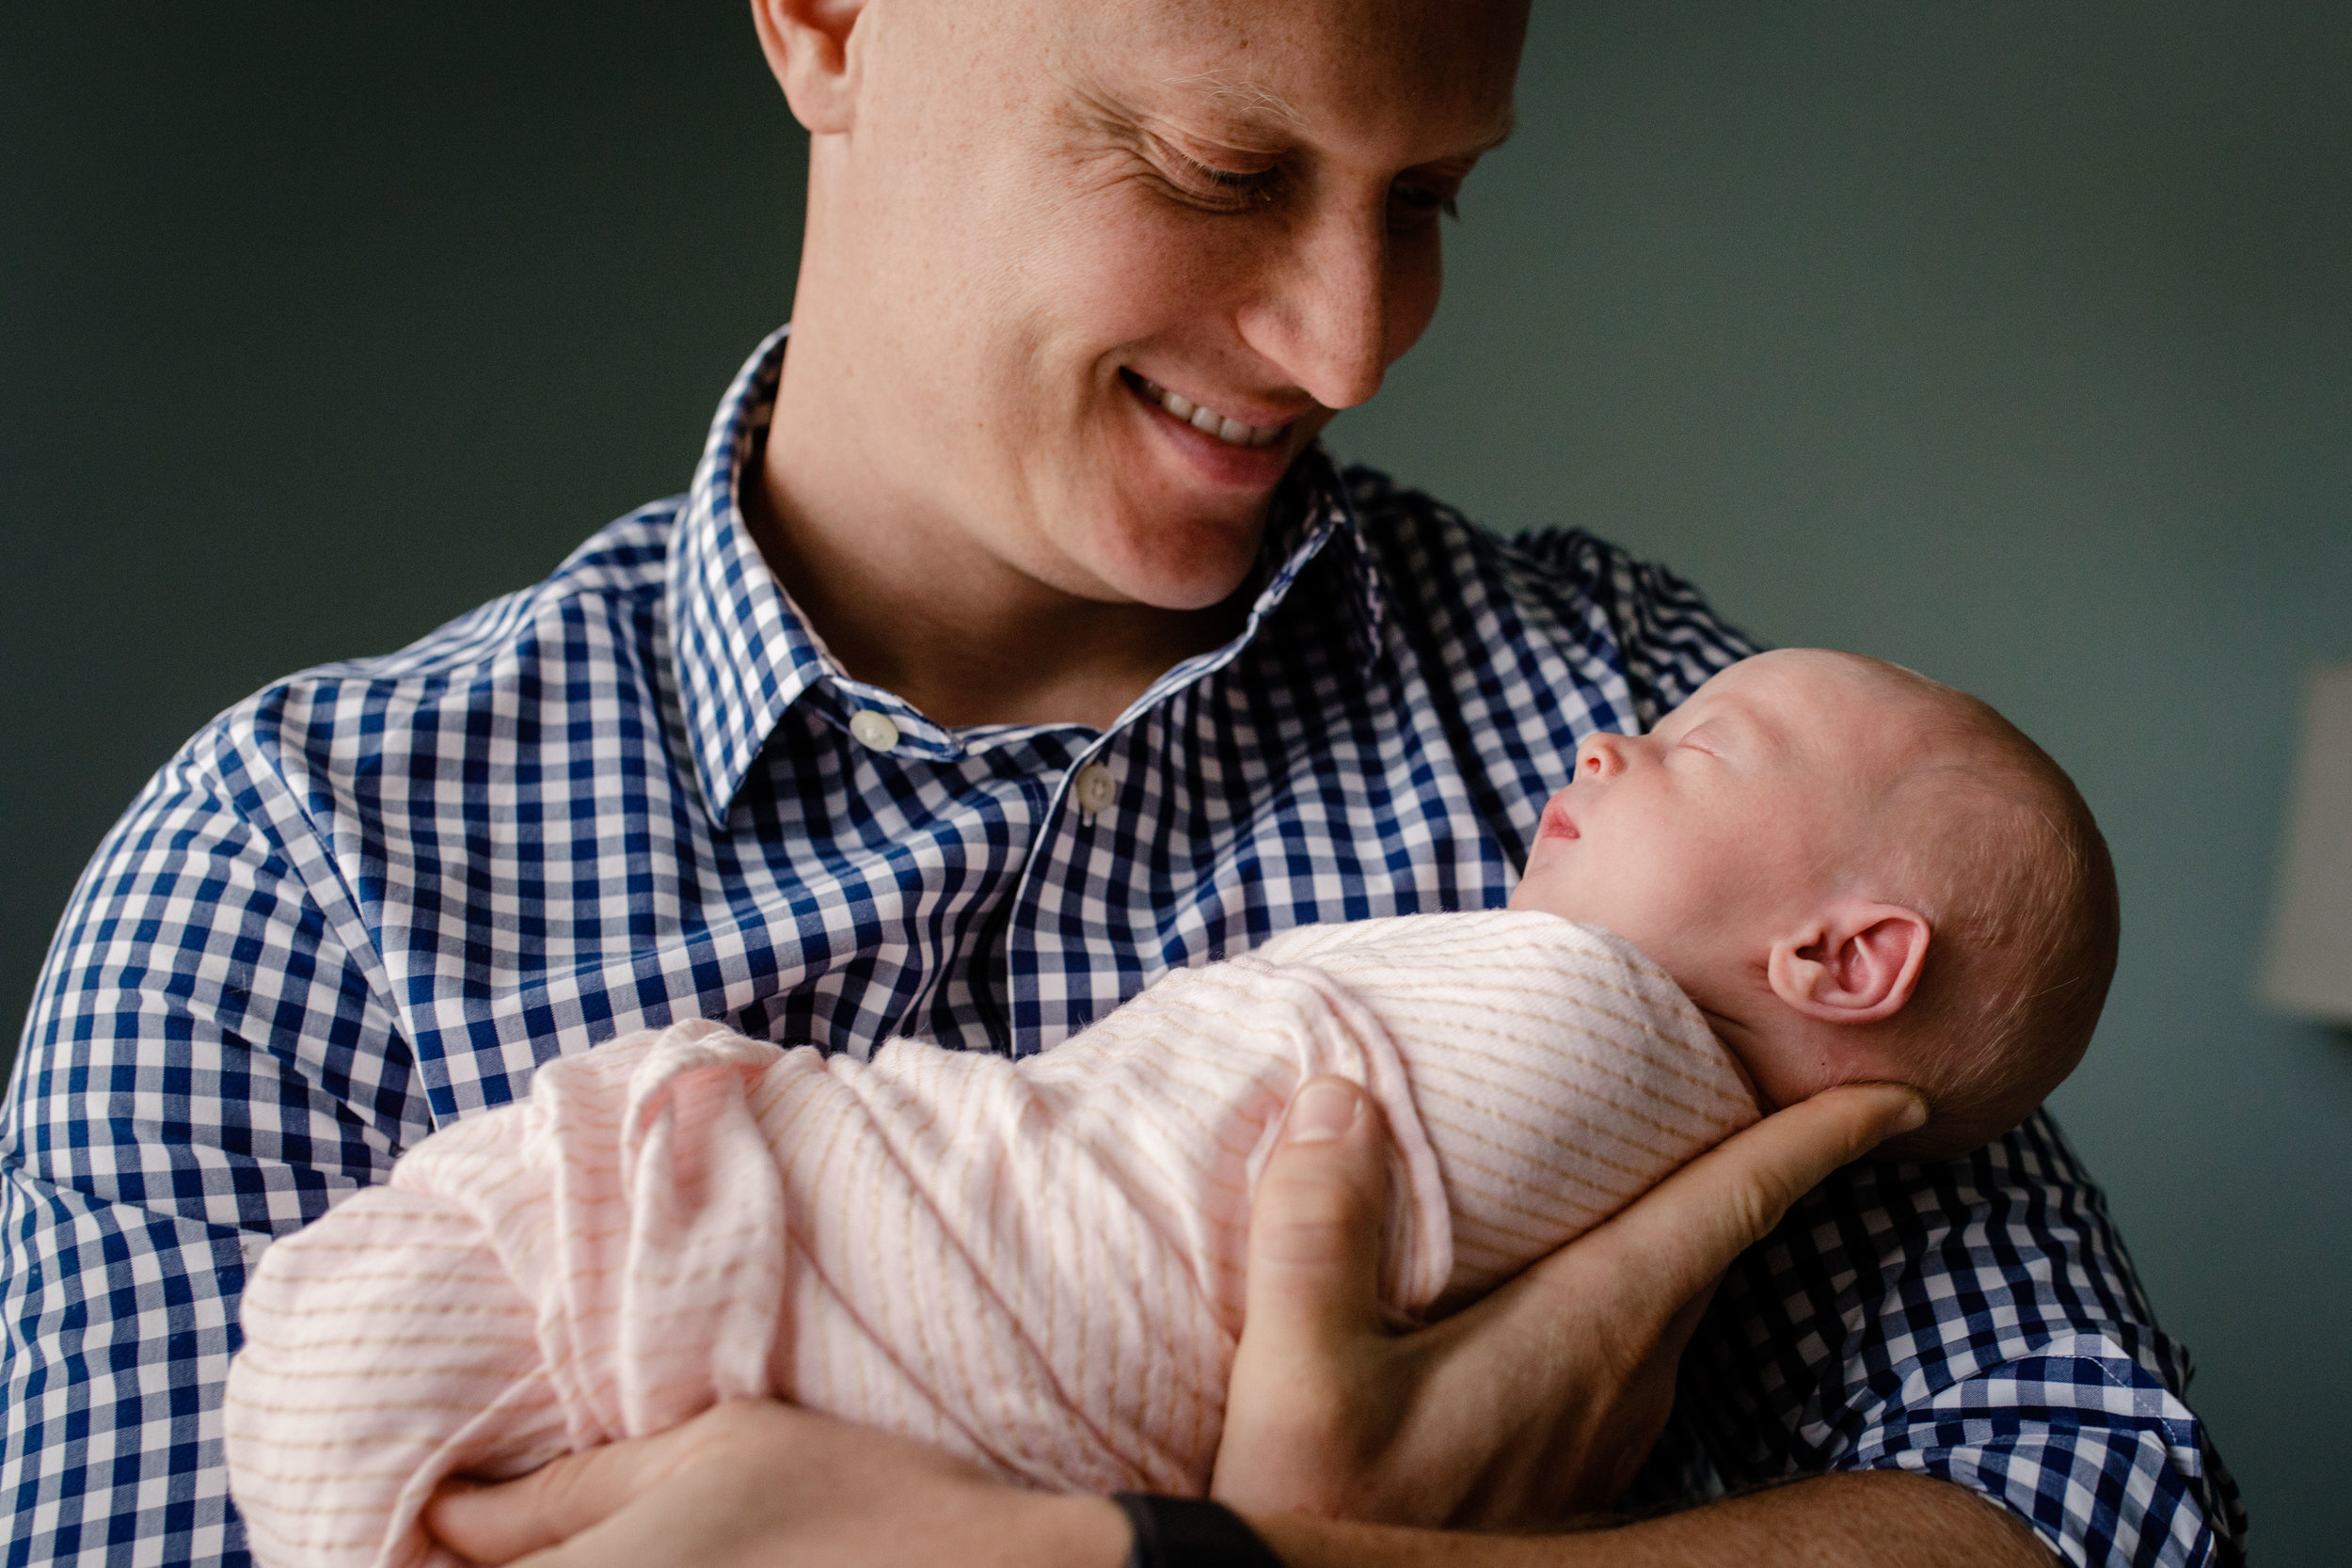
x=1190 y=1532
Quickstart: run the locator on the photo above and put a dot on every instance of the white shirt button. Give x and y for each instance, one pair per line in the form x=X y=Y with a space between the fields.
x=1096 y=788
x=874 y=729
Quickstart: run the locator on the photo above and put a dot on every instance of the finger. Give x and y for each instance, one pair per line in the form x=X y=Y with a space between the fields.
x=1676 y=1239
x=493 y=1524
x=1315 y=1223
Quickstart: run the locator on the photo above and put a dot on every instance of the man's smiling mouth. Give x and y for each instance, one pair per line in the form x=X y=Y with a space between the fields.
x=1233 y=431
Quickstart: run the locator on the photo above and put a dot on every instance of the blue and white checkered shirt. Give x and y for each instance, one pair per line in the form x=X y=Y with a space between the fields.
x=366 y=900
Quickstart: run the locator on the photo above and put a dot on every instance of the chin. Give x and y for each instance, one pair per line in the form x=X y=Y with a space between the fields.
x=1182 y=565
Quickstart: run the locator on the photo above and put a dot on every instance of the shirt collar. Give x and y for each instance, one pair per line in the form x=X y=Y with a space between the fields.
x=744 y=655
x=741 y=652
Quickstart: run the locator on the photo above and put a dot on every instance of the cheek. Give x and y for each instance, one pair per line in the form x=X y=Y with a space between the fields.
x=1664 y=870
x=1122 y=268
x=1602 y=880
x=1545 y=885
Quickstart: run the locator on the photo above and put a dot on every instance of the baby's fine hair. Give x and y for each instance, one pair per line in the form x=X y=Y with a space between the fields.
x=1989 y=839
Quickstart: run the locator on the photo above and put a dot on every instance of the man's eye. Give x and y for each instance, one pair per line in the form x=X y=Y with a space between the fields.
x=1229 y=189
x=1418 y=203
x=1232 y=179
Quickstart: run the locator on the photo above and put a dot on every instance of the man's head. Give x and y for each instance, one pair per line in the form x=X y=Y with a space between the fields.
x=1040 y=232
x=1859 y=874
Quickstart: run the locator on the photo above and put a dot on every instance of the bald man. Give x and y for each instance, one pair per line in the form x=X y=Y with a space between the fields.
x=1016 y=643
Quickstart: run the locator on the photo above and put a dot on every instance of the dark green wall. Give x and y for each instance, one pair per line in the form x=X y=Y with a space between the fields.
x=2009 y=340
x=320 y=324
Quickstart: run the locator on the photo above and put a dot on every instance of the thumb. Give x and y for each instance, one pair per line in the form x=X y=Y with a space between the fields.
x=1681 y=1237
x=1315 y=1224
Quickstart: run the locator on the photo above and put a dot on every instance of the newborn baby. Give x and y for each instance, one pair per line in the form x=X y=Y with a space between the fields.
x=1820 y=869
x=1794 y=842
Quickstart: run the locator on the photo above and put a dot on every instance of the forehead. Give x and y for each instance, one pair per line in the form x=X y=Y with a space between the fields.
x=1815 y=707
x=1440 y=70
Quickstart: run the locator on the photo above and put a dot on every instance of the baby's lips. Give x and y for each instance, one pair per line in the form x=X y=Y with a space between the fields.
x=1556 y=822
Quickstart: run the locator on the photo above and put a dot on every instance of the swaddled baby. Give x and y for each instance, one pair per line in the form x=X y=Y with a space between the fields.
x=1820 y=869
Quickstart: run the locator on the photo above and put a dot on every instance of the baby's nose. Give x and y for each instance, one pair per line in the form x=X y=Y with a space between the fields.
x=1600 y=757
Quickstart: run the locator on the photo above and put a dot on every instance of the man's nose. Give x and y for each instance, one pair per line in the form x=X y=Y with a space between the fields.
x=1324 y=315
x=1600 y=757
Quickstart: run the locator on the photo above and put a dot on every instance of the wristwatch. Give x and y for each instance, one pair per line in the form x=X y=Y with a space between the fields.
x=1190 y=1532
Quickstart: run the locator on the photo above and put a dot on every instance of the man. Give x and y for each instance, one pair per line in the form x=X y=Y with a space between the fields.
x=1014 y=645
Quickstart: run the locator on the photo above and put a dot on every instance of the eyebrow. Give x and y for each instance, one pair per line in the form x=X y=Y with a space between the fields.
x=1254 y=101
x=1227 y=91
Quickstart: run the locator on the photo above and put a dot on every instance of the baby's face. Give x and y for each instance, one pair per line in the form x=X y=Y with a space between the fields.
x=1705 y=840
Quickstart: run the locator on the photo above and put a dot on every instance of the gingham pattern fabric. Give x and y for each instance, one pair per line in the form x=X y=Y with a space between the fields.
x=367 y=900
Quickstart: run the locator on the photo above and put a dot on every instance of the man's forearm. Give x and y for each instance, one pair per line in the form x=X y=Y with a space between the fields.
x=1888 y=1517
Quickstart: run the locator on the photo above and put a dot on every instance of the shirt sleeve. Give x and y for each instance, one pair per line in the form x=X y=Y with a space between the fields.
x=205 y=1067
x=1978 y=1321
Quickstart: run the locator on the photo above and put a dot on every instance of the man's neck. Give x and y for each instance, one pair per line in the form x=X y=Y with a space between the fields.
x=960 y=636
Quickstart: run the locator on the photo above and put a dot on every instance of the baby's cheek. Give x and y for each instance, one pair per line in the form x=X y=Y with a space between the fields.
x=1600 y=886
x=1547 y=887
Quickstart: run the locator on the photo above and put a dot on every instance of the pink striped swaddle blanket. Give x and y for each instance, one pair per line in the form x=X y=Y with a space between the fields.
x=1035 y=1263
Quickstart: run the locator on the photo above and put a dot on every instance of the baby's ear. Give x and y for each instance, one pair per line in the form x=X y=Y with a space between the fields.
x=1857 y=962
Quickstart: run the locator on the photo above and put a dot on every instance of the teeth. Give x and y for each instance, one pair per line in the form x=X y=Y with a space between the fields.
x=1208 y=421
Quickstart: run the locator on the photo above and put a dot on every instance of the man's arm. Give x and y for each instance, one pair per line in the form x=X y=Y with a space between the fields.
x=763 y=1485
x=1622 y=1300
x=1521 y=1412
x=1978 y=1321
x=205 y=1065
x=1530 y=1407
x=1884 y=1518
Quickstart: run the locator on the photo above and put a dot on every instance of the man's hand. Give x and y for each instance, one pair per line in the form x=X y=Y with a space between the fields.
x=1535 y=1404
x=758 y=1484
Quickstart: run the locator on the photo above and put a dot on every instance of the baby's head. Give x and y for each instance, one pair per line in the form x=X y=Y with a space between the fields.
x=1857 y=873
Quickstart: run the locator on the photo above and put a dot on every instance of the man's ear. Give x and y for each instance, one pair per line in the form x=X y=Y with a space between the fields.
x=808 y=45
x=1857 y=963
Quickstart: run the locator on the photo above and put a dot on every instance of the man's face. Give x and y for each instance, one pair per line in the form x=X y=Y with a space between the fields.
x=1118 y=261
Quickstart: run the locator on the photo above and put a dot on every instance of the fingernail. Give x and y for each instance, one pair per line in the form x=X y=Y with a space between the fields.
x=1914 y=1117
x=1324 y=1109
